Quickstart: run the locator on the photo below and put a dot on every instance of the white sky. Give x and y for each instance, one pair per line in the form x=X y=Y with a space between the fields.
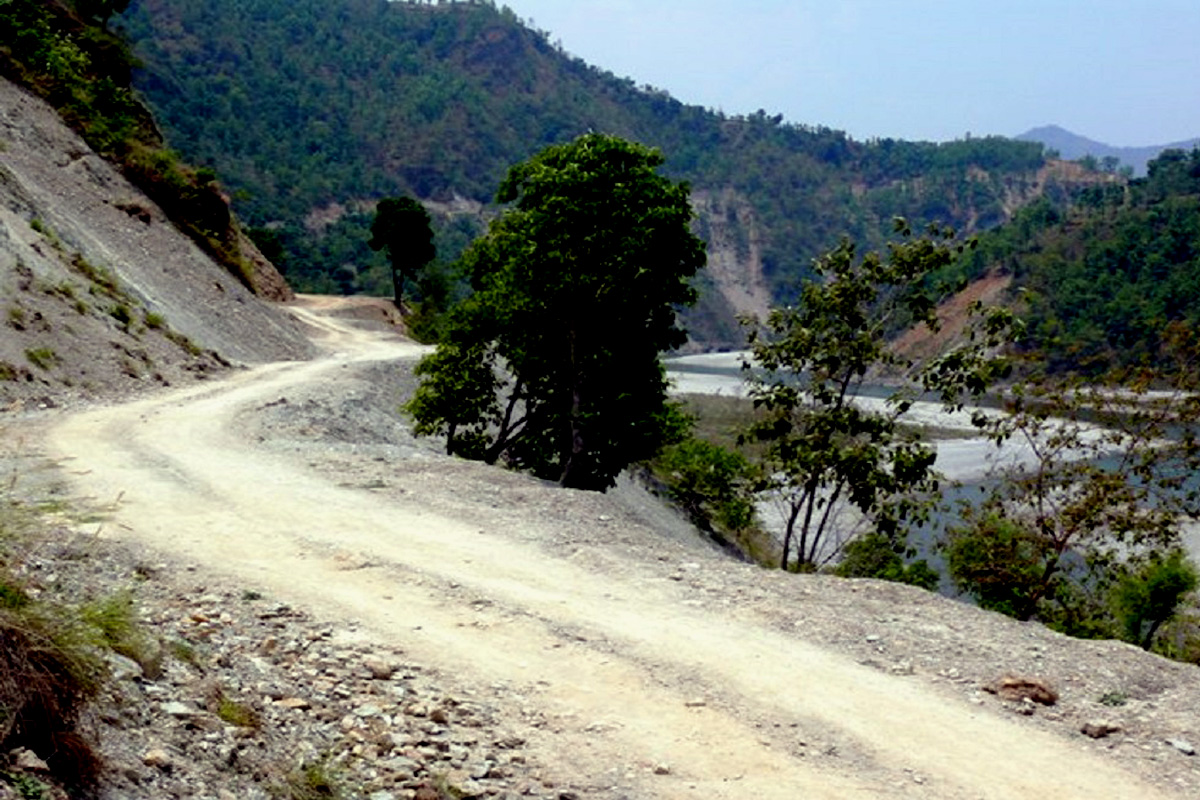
x=1125 y=72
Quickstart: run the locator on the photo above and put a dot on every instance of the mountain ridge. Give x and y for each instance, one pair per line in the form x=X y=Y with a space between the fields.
x=1072 y=146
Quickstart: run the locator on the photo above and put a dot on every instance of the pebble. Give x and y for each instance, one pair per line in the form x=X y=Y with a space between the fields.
x=28 y=761
x=1098 y=729
x=1183 y=746
x=175 y=708
x=157 y=758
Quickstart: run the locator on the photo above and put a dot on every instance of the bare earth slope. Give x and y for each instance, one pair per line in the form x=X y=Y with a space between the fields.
x=645 y=666
x=98 y=284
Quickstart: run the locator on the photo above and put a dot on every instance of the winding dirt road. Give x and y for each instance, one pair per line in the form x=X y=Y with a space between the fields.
x=647 y=695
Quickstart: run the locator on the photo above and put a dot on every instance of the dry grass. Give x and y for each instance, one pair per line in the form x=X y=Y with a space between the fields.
x=48 y=672
x=51 y=657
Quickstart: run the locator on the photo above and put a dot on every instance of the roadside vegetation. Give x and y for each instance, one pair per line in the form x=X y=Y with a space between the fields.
x=1081 y=530
x=51 y=662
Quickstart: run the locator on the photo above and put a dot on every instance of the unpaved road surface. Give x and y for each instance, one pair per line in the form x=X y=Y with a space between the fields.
x=646 y=668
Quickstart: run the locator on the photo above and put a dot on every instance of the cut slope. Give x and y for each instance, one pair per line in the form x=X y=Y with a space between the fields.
x=99 y=291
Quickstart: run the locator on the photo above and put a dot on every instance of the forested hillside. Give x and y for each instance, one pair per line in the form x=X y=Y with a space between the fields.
x=310 y=110
x=1107 y=279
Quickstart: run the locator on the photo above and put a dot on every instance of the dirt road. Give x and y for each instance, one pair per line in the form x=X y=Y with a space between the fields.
x=642 y=687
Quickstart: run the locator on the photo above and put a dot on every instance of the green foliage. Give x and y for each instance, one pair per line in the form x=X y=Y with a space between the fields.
x=595 y=242
x=1151 y=595
x=1104 y=280
x=713 y=484
x=1113 y=699
x=43 y=358
x=825 y=452
x=238 y=714
x=102 y=279
x=875 y=556
x=999 y=564
x=402 y=228
x=314 y=781
x=27 y=786
x=48 y=672
x=1081 y=518
x=123 y=314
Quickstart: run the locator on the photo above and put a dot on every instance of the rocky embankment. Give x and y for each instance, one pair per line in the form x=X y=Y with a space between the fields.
x=235 y=695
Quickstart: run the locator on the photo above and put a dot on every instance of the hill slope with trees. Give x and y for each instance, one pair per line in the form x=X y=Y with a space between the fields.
x=312 y=111
x=1108 y=281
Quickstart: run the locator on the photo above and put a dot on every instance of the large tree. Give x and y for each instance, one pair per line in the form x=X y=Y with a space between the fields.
x=553 y=364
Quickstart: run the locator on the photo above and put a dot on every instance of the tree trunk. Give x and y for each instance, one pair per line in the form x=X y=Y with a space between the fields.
x=571 y=457
x=571 y=462
x=398 y=288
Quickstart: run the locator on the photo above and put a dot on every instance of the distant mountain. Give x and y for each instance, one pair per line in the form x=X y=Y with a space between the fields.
x=1072 y=146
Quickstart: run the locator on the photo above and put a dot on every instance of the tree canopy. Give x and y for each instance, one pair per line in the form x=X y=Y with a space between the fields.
x=553 y=363
x=402 y=228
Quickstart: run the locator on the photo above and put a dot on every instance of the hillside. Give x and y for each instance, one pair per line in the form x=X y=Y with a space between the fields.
x=64 y=52
x=102 y=295
x=1073 y=146
x=1109 y=281
x=311 y=110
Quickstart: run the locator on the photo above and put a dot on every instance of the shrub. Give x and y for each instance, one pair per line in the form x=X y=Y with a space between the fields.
x=123 y=314
x=42 y=357
x=235 y=713
x=874 y=556
x=314 y=781
x=48 y=672
x=1149 y=597
x=114 y=626
x=996 y=562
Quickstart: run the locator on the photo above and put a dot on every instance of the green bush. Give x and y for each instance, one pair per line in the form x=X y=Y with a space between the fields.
x=48 y=672
x=996 y=561
x=315 y=781
x=42 y=357
x=1150 y=596
x=874 y=556
x=712 y=483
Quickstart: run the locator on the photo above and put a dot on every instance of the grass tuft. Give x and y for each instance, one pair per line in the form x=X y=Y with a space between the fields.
x=42 y=357
x=315 y=781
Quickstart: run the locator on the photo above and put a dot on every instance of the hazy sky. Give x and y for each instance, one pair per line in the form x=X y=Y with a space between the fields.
x=1125 y=72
